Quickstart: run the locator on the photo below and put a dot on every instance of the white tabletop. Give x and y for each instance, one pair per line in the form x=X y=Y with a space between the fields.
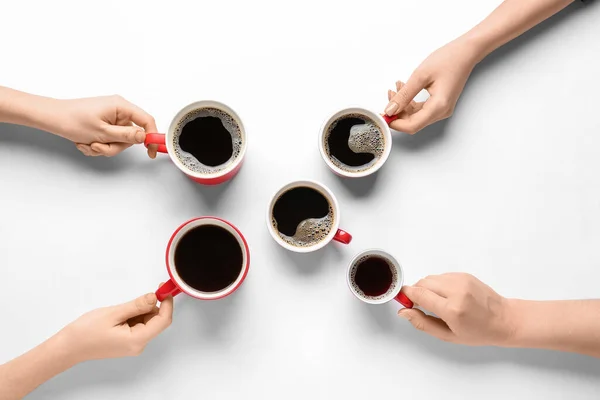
x=507 y=190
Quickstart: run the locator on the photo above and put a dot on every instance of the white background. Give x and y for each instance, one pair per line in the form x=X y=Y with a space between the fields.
x=507 y=190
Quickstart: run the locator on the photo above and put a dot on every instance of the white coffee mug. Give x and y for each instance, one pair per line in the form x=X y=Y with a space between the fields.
x=377 y=119
x=395 y=281
x=334 y=234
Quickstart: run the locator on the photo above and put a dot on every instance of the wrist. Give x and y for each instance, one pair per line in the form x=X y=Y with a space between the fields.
x=64 y=346
x=516 y=322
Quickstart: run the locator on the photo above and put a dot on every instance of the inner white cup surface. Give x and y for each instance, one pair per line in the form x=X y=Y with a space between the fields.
x=330 y=198
x=378 y=119
x=189 y=289
x=397 y=282
x=181 y=114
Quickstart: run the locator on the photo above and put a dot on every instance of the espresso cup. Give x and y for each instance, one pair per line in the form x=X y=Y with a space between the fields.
x=192 y=166
x=207 y=258
x=355 y=142
x=376 y=277
x=304 y=216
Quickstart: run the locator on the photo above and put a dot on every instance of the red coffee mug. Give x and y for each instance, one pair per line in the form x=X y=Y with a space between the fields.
x=166 y=144
x=176 y=285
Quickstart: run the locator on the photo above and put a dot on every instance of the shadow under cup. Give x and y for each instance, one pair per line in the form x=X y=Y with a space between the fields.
x=376 y=277
x=207 y=258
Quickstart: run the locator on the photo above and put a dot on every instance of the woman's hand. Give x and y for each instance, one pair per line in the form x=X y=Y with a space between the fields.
x=443 y=74
x=102 y=126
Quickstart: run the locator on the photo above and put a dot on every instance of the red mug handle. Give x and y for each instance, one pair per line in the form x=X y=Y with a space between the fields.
x=342 y=237
x=167 y=289
x=388 y=119
x=405 y=301
x=156 y=138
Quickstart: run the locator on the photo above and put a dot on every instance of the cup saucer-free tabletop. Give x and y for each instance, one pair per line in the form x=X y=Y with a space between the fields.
x=507 y=189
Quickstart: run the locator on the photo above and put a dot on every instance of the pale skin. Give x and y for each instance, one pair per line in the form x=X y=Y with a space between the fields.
x=123 y=330
x=98 y=126
x=445 y=72
x=469 y=312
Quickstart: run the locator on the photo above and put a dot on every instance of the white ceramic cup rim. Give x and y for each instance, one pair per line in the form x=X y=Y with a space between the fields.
x=336 y=216
x=187 y=289
x=386 y=134
x=382 y=253
x=182 y=113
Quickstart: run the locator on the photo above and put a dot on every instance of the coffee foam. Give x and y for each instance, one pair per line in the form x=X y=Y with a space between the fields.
x=364 y=138
x=358 y=290
x=191 y=162
x=310 y=231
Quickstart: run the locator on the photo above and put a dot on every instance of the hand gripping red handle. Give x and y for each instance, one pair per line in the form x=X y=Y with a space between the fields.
x=405 y=301
x=156 y=138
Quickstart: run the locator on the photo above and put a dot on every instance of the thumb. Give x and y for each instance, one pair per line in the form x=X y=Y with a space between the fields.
x=426 y=323
x=125 y=134
x=142 y=305
x=404 y=96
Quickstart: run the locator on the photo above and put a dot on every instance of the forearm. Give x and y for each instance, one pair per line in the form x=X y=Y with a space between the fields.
x=509 y=20
x=27 y=109
x=572 y=326
x=25 y=373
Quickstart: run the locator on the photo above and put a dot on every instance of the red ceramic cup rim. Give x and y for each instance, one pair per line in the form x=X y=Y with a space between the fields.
x=180 y=232
x=182 y=113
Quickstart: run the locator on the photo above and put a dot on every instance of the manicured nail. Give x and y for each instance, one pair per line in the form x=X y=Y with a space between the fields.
x=150 y=298
x=391 y=108
x=140 y=136
x=404 y=313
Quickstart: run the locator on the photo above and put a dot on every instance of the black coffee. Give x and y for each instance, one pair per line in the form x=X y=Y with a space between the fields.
x=207 y=140
x=208 y=258
x=302 y=216
x=354 y=142
x=374 y=276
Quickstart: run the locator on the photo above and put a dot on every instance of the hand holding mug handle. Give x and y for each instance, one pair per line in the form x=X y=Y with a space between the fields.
x=167 y=289
x=404 y=300
x=158 y=139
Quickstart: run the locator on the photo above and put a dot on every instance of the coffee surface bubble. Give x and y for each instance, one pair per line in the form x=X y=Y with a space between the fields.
x=354 y=142
x=203 y=140
x=393 y=285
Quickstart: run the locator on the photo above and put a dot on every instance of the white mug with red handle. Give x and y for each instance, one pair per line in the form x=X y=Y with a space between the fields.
x=166 y=143
x=176 y=284
x=334 y=234
x=376 y=277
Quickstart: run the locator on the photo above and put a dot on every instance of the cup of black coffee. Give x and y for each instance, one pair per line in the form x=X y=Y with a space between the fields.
x=355 y=142
x=207 y=258
x=376 y=277
x=304 y=216
x=206 y=140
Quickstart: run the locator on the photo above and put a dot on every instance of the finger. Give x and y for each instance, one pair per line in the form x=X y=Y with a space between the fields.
x=125 y=134
x=428 y=324
x=436 y=284
x=142 y=305
x=158 y=323
x=417 y=121
x=426 y=299
x=109 y=149
x=152 y=150
x=391 y=94
x=404 y=96
x=138 y=116
x=87 y=150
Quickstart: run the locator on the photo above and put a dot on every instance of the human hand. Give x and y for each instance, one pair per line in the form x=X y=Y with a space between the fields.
x=443 y=74
x=118 y=331
x=467 y=310
x=103 y=126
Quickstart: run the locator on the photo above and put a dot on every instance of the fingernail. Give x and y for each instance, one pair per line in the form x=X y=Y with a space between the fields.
x=150 y=298
x=391 y=108
x=140 y=136
x=404 y=313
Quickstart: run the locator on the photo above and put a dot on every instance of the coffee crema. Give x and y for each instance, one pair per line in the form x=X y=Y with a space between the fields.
x=354 y=142
x=207 y=140
x=373 y=277
x=302 y=216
